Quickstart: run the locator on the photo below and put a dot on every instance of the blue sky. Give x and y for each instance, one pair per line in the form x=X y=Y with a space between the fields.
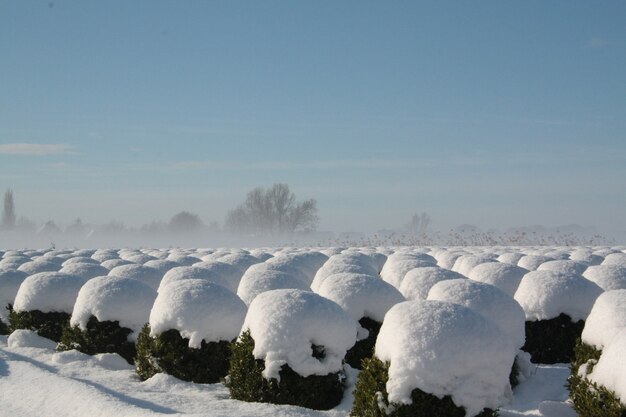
x=494 y=113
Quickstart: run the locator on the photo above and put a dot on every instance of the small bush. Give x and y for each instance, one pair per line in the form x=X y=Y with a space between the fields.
x=247 y=383
x=589 y=398
x=49 y=325
x=99 y=337
x=364 y=348
x=371 y=398
x=552 y=341
x=170 y=353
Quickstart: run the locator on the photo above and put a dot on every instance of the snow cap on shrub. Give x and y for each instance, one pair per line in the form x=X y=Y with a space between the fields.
x=340 y=266
x=608 y=277
x=224 y=274
x=563 y=265
x=607 y=318
x=445 y=349
x=400 y=263
x=39 y=265
x=464 y=264
x=199 y=310
x=125 y=300
x=264 y=277
x=84 y=270
x=504 y=276
x=285 y=323
x=48 y=292
x=145 y=274
x=361 y=295
x=532 y=262
x=418 y=281
x=181 y=273
x=488 y=300
x=610 y=371
x=10 y=282
x=510 y=258
x=615 y=259
x=546 y=294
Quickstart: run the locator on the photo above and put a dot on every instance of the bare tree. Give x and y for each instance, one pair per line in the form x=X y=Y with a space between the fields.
x=419 y=224
x=185 y=222
x=8 y=214
x=272 y=211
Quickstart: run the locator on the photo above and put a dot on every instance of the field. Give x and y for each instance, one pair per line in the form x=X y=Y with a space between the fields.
x=290 y=299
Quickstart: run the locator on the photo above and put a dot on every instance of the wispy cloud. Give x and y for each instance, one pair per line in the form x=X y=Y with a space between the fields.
x=596 y=43
x=36 y=149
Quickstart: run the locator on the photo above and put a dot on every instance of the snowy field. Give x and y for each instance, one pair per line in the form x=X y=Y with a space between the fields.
x=215 y=294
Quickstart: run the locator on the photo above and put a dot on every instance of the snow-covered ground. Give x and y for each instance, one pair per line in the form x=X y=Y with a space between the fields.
x=39 y=382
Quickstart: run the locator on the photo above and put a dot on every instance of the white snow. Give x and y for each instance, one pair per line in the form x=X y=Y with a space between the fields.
x=361 y=295
x=180 y=273
x=400 y=263
x=445 y=349
x=608 y=277
x=264 y=277
x=29 y=338
x=41 y=265
x=503 y=275
x=84 y=270
x=615 y=259
x=145 y=274
x=199 y=310
x=464 y=264
x=418 y=281
x=607 y=318
x=488 y=300
x=48 y=292
x=546 y=294
x=223 y=274
x=10 y=282
x=610 y=371
x=563 y=265
x=510 y=258
x=126 y=300
x=532 y=262
x=285 y=323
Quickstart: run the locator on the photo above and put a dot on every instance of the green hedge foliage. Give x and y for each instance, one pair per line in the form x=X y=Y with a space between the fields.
x=364 y=348
x=99 y=337
x=591 y=399
x=49 y=325
x=170 y=353
x=552 y=341
x=371 y=398
x=247 y=383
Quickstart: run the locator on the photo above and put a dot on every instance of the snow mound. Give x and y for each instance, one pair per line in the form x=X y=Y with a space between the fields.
x=227 y=275
x=340 y=266
x=447 y=259
x=488 y=300
x=139 y=258
x=28 y=338
x=510 y=258
x=177 y=259
x=41 y=265
x=418 y=281
x=84 y=270
x=112 y=362
x=181 y=273
x=586 y=256
x=114 y=298
x=307 y=264
x=284 y=324
x=608 y=277
x=361 y=295
x=532 y=262
x=615 y=259
x=446 y=349
x=163 y=265
x=10 y=282
x=607 y=318
x=199 y=310
x=564 y=266
x=80 y=260
x=48 y=292
x=464 y=264
x=400 y=263
x=112 y=263
x=264 y=277
x=239 y=260
x=545 y=295
x=145 y=274
x=503 y=275
x=610 y=370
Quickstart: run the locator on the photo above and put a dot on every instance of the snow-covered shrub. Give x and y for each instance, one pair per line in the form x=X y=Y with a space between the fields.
x=563 y=265
x=221 y=273
x=608 y=277
x=112 y=263
x=40 y=265
x=108 y=315
x=532 y=262
x=84 y=270
x=435 y=359
x=556 y=305
x=10 y=282
x=291 y=350
x=464 y=264
x=44 y=302
x=366 y=299
x=400 y=263
x=511 y=258
x=145 y=274
x=417 y=282
x=163 y=265
x=615 y=259
x=264 y=277
x=586 y=256
x=191 y=326
x=598 y=386
x=502 y=275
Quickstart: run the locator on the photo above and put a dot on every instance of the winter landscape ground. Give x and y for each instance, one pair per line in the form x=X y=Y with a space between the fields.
x=288 y=298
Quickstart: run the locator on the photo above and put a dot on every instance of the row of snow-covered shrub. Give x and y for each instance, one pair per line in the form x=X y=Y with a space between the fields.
x=557 y=296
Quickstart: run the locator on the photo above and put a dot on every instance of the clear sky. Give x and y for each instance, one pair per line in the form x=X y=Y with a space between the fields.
x=495 y=113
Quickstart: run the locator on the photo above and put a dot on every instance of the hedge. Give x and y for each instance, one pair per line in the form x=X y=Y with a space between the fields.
x=552 y=341
x=364 y=348
x=49 y=325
